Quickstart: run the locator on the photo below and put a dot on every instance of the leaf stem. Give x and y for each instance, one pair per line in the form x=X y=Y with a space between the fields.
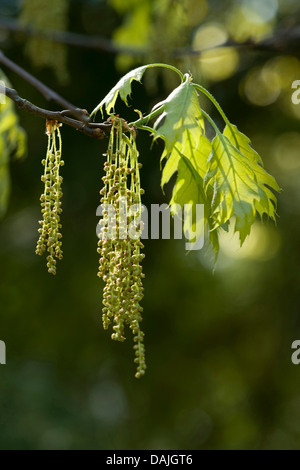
x=146 y=128
x=216 y=104
x=146 y=119
x=220 y=135
x=212 y=122
x=167 y=66
x=213 y=100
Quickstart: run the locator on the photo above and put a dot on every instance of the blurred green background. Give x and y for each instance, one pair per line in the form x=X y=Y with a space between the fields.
x=218 y=344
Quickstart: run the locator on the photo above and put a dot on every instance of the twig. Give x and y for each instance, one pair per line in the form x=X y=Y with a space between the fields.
x=49 y=94
x=285 y=40
x=97 y=130
x=72 y=39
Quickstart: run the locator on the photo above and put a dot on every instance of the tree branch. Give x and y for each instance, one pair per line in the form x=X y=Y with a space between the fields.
x=285 y=40
x=47 y=92
x=72 y=39
x=97 y=130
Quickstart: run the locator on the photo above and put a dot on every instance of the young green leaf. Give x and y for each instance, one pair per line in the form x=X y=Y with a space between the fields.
x=123 y=87
x=181 y=126
x=181 y=112
x=196 y=154
x=241 y=183
x=188 y=188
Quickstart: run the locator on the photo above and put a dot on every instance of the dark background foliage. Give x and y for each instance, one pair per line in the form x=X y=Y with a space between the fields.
x=218 y=344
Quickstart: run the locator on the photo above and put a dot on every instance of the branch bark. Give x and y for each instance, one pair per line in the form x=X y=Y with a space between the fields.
x=72 y=39
x=47 y=92
x=93 y=129
x=285 y=40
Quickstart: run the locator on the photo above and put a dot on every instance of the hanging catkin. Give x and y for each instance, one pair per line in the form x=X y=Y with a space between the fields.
x=119 y=243
x=50 y=200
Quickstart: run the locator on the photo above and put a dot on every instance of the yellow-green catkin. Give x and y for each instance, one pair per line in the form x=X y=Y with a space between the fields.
x=119 y=243
x=50 y=236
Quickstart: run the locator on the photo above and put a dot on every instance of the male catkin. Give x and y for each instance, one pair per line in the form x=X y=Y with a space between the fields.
x=119 y=243
x=51 y=199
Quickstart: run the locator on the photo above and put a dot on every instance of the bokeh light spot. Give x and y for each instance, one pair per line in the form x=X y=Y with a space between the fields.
x=209 y=35
x=286 y=151
x=244 y=24
x=219 y=64
x=261 y=86
x=257 y=11
x=262 y=244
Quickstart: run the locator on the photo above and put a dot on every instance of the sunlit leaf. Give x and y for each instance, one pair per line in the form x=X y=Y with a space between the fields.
x=181 y=112
x=186 y=151
x=241 y=185
x=123 y=87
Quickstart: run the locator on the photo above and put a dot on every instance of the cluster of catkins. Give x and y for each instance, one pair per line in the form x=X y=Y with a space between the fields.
x=50 y=200
x=119 y=243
